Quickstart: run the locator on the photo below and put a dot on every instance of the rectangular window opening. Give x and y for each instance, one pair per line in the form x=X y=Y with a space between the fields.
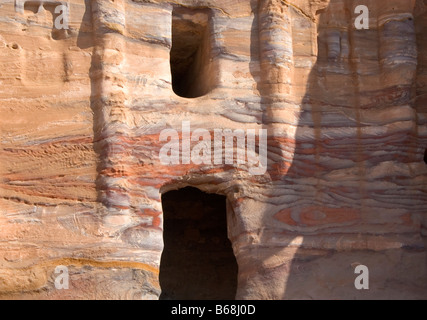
x=190 y=57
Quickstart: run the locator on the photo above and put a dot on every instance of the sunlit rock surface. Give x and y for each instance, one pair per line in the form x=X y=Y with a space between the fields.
x=83 y=108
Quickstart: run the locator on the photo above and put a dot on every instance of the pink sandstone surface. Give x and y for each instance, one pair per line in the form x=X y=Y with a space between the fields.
x=345 y=110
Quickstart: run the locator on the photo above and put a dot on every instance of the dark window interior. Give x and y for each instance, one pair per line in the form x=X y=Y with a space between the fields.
x=190 y=53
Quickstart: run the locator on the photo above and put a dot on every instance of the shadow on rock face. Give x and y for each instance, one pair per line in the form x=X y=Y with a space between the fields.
x=346 y=202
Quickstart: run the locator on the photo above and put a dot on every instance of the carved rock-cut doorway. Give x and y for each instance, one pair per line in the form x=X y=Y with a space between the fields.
x=197 y=260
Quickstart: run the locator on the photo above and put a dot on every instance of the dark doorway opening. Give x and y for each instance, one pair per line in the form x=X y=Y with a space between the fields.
x=197 y=261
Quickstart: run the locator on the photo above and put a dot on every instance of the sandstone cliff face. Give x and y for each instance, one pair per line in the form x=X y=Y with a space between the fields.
x=345 y=112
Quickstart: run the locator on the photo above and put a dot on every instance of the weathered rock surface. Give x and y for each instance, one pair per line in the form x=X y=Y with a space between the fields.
x=345 y=111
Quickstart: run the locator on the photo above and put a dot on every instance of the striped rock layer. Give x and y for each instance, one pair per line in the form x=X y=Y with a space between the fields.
x=346 y=117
